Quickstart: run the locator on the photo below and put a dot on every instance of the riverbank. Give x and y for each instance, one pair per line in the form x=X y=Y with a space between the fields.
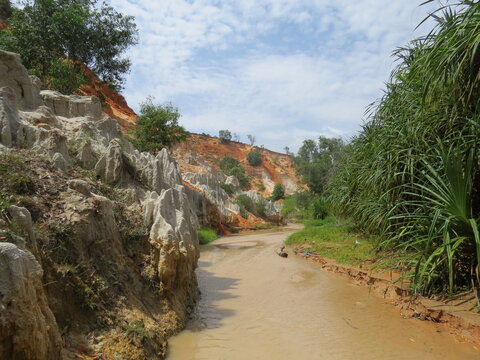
x=256 y=304
x=336 y=249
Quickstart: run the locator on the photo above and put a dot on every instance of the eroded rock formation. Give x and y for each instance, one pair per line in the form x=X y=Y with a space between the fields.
x=118 y=264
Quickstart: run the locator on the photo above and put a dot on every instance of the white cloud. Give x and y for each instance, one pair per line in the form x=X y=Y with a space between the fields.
x=282 y=70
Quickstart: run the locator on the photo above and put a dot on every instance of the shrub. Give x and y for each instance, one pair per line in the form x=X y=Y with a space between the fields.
x=64 y=77
x=259 y=209
x=254 y=157
x=278 y=192
x=289 y=206
x=206 y=236
x=225 y=136
x=232 y=167
x=245 y=204
x=319 y=208
x=157 y=127
x=228 y=189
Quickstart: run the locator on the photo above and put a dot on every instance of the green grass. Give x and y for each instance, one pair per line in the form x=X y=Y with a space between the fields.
x=206 y=236
x=336 y=239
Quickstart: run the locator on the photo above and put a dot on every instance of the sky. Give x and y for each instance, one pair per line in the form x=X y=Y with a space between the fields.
x=280 y=70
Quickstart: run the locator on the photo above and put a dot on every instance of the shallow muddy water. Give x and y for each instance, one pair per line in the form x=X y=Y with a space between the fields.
x=257 y=305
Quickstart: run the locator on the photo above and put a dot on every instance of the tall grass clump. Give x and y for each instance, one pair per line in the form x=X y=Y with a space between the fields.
x=206 y=236
x=412 y=174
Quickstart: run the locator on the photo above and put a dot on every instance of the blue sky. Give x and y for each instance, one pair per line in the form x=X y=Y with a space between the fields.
x=281 y=70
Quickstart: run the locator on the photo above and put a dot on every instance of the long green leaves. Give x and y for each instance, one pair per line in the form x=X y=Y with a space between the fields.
x=412 y=173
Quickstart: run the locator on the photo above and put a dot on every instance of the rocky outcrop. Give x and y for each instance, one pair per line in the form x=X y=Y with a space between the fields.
x=272 y=209
x=212 y=192
x=72 y=106
x=28 y=329
x=14 y=76
x=100 y=265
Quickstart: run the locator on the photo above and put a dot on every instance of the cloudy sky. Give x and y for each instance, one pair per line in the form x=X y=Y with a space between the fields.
x=281 y=70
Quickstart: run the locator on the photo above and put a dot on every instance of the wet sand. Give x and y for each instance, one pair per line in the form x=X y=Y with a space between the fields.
x=257 y=305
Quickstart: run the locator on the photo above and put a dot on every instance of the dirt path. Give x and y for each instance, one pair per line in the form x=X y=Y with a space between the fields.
x=257 y=305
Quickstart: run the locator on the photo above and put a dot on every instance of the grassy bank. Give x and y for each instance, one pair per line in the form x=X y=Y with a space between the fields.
x=336 y=239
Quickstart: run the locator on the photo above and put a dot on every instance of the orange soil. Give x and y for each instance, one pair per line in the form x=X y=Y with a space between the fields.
x=115 y=105
x=276 y=166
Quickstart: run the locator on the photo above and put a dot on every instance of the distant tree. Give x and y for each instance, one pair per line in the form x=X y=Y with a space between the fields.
x=251 y=139
x=278 y=192
x=315 y=161
x=236 y=137
x=157 y=127
x=287 y=150
x=254 y=157
x=225 y=136
x=81 y=30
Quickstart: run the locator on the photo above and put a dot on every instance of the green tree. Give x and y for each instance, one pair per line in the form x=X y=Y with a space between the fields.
x=278 y=192
x=254 y=157
x=225 y=136
x=315 y=161
x=157 y=127
x=81 y=30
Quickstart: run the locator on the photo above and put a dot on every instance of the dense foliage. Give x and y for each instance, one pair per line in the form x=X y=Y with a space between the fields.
x=278 y=192
x=254 y=157
x=412 y=173
x=157 y=127
x=43 y=31
x=225 y=136
x=315 y=161
x=232 y=167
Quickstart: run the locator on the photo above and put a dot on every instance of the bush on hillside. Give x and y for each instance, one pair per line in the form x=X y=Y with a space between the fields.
x=225 y=136
x=64 y=77
x=228 y=189
x=254 y=157
x=157 y=127
x=245 y=204
x=278 y=192
x=232 y=167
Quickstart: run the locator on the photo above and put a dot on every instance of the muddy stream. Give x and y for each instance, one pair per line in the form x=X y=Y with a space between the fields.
x=257 y=305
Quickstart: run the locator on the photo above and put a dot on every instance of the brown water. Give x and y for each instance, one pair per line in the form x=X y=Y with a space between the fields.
x=257 y=305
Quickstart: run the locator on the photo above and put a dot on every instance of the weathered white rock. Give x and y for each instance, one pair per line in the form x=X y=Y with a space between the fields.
x=272 y=210
x=9 y=120
x=59 y=162
x=14 y=75
x=87 y=156
x=22 y=218
x=233 y=182
x=81 y=186
x=28 y=329
x=73 y=105
x=110 y=165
